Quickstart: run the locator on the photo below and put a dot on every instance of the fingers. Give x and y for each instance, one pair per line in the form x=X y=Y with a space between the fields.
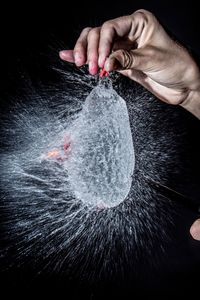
x=85 y=50
x=67 y=55
x=95 y=45
x=80 y=49
x=110 y=32
x=79 y=54
x=195 y=230
x=125 y=32
x=143 y=59
x=92 y=50
x=120 y=60
x=105 y=42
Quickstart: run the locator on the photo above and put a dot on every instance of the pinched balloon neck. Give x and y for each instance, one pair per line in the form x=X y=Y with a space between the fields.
x=105 y=83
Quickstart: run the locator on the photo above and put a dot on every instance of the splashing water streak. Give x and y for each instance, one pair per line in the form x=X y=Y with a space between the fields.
x=68 y=153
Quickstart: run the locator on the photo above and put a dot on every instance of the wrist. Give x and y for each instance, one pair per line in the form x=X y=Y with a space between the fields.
x=192 y=103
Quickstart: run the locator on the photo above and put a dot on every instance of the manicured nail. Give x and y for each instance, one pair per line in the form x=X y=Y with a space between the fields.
x=107 y=65
x=93 y=69
x=195 y=230
x=101 y=61
x=78 y=59
x=103 y=73
x=62 y=54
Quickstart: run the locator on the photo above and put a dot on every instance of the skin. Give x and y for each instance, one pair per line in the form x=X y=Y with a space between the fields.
x=138 y=47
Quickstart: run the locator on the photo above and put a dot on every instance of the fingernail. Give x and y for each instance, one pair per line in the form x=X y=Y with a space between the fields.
x=93 y=69
x=101 y=61
x=62 y=54
x=107 y=66
x=195 y=230
x=78 y=59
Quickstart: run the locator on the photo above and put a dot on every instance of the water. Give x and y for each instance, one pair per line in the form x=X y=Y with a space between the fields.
x=101 y=161
x=66 y=151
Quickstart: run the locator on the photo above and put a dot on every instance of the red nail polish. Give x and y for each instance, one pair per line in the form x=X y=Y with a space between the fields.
x=104 y=73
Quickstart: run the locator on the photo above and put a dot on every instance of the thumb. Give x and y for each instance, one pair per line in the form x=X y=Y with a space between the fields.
x=195 y=230
x=141 y=59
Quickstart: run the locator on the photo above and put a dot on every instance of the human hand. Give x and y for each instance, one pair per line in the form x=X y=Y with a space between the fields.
x=138 y=47
x=195 y=230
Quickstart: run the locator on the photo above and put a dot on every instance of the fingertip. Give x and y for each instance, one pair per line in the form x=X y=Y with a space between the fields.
x=93 y=68
x=195 y=230
x=79 y=59
x=101 y=61
x=66 y=55
x=112 y=64
x=108 y=65
x=62 y=54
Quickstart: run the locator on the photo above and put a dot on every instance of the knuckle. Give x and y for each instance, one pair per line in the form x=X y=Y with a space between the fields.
x=128 y=59
x=93 y=33
x=143 y=14
x=107 y=25
x=86 y=29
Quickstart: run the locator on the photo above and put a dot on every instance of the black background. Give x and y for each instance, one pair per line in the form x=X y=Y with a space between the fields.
x=25 y=26
x=29 y=27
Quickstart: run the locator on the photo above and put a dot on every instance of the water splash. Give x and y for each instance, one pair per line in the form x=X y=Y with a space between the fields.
x=54 y=224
